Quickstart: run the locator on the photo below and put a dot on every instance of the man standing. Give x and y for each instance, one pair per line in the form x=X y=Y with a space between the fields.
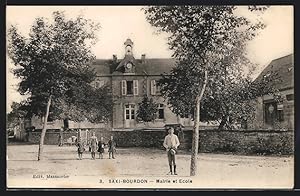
x=171 y=144
x=93 y=145
x=61 y=137
x=111 y=147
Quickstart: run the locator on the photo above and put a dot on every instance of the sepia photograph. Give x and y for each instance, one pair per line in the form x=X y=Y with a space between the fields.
x=150 y=97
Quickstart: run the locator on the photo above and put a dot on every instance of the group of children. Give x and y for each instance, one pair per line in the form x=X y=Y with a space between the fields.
x=171 y=143
x=95 y=145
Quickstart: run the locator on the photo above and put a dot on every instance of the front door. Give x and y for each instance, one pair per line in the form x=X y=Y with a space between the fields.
x=129 y=115
x=270 y=113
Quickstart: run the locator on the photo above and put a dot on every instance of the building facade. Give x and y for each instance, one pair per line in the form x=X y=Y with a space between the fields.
x=270 y=113
x=129 y=79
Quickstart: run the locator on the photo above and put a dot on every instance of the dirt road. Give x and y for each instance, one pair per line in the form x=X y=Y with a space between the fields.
x=61 y=168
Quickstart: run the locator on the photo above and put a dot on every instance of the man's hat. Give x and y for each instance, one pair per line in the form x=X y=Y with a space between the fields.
x=173 y=152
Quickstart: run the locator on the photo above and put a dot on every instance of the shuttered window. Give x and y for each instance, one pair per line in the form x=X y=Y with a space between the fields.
x=130 y=87
x=153 y=87
x=135 y=87
x=124 y=87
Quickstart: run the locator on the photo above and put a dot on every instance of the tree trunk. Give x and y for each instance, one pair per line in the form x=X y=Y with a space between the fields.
x=41 y=146
x=195 y=139
x=223 y=123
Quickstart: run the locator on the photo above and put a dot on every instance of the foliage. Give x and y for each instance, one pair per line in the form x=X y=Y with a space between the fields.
x=209 y=43
x=213 y=39
x=54 y=61
x=147 y=111
x=18 y=112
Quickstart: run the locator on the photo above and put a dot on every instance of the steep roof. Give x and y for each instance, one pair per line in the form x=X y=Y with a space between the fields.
x=128 y=58
x=101 y=66
x=283 y=70
x=155 y=66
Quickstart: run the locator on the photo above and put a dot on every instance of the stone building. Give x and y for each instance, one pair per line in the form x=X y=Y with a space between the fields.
x=271 y=114
x=129 y=79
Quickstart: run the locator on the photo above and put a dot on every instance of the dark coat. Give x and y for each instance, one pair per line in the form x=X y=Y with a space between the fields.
x=80 y=147
x=111 y=145
x=101 y=147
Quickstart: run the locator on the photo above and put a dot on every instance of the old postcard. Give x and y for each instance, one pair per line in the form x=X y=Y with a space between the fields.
x=158 y=97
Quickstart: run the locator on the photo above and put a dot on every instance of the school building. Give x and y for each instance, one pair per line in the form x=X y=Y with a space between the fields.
x=129 y=79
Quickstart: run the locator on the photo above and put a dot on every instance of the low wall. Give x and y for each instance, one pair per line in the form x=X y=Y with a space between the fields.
x=238 y=142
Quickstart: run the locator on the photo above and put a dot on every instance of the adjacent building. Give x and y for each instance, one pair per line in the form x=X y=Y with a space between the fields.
x=270 y=113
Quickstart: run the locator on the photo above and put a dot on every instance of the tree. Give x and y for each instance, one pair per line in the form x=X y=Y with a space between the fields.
x=236 y=102
x=147 y=111
x=209 y=45
x=17 y=112
x=53 y=63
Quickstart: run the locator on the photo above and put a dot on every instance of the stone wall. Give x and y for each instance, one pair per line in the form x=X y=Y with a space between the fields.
x=211 y=141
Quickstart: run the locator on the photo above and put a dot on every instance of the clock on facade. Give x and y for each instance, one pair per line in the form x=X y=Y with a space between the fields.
x=129 y=65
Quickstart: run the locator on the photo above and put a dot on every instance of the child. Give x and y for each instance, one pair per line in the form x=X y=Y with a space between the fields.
x=101 y=148
x=171 y=144
x=111 y=147
x=80 y=148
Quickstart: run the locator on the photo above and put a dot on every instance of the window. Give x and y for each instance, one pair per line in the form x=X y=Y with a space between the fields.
x=155 y=88
x=273 y=112
x=129 y=87
x=280 y=116
x=161 y=113
x=130 y=112
x=99 y=84
x=290 y=97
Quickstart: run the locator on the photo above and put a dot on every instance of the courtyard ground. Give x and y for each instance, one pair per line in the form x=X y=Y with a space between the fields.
x=142 y=167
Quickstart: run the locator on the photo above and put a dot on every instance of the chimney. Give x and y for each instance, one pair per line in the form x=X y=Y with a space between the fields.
x=115 y=58
x=143 y=57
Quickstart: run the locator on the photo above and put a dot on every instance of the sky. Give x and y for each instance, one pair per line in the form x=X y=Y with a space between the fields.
x=121 y=22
